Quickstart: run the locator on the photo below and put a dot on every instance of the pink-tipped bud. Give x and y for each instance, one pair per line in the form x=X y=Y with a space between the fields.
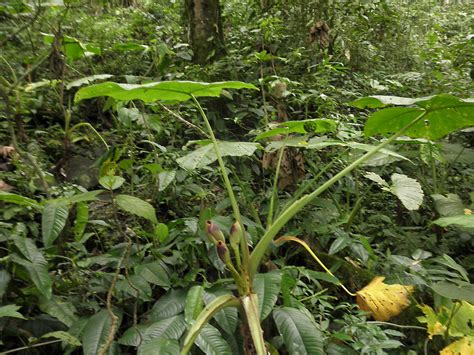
x=214 y=233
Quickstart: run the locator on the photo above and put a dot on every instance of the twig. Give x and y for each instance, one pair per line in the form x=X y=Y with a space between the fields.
x=31 y=346
x=181 y=119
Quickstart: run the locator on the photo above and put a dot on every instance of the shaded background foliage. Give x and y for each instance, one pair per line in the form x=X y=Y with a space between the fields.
x=309 y=58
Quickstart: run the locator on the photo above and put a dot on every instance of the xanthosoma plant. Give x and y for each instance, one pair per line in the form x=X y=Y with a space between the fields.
x=430 y=118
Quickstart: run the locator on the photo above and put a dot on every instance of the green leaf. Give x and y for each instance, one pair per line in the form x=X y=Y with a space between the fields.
x=267 y=288
x=19 y=200
x=87 y=80
x=465 y=221
x=53 y=221
x=159 y=347
x=227 y=318
x=209 y=311
x=165 y=90
x=194 y=303
x=82 y=217
x=166 y=178
x=206 y=155
x=304 y=126
x=111 y=182
x=10 y=311
x=443 y=114
x=154 y=272
x=161 y=232
x=136 y=286
x=35 y=264
x=96 y=332
x=300 y=333
x=4 y=281
x=378 y=101
x=64 y=336
x=168 y=305
x=169 y=328
x=137 y=207
x=63 y=311
x=459 y=291
x=449 y=205
x=211 y=341
x=408 y=191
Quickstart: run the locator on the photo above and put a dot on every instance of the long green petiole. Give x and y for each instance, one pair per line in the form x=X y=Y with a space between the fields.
x=264 y=243
x=235 y=207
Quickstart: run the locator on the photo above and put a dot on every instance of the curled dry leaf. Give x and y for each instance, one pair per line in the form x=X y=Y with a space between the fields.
x=383 y=301
x=6 y=151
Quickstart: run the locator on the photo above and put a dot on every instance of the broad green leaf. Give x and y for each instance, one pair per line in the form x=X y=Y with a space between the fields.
x=135 y=286
x=208 y=312
x=465 y=221
x=449 y=205
x=211 y=341
x=64 y=336
x=63 y=311
x=443 y=114
x=206 y=155
x=87 y=80
x=82 y=217
x=459 y=291
x=448 y=261
x=168 y=305
x=378 y=101
x=169 y=328
x=53 y=221
x=165 y=90
x=96 y=332
x=300 y=333
x=19 y=200
x=10 y=311
x=166 y=178
x=194 y=303
x=154 y=272
x=267 y=288
x=111 y=182
x=159 y=347
x=304 y=126
x=161 y=232
x=35 y=264
x=408 y=191
x=77 y=198
x=137 y=207
x=226 y=318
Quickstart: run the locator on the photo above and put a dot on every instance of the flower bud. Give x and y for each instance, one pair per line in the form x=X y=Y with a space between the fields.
x=235 y=235
x=214 y=233
x=223 y=253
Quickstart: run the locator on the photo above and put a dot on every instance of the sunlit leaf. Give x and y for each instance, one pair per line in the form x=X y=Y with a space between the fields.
x=408 y=190
x=137 y=207
x=164 y=90
x=10 y=311
x=206 y=155
x=463 y=346
x=443 y=114
x=383 y=301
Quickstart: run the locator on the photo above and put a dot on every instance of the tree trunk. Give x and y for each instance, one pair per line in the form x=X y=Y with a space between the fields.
x=205 y=30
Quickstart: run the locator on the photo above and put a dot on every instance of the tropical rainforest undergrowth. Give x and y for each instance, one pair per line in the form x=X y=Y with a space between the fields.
x=296 y=180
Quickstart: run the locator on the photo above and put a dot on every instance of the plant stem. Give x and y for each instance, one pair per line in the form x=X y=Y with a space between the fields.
x=32 y=346
x=235 y=207
x=275 y=187
x=280 y=222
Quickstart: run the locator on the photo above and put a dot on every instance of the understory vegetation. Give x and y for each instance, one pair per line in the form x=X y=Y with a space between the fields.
x=286 y=177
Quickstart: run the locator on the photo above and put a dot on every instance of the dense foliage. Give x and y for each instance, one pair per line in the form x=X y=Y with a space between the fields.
x=308 y=190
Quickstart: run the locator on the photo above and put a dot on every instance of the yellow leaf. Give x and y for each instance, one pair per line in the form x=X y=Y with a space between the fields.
x=464 y=346
x=383 y=301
